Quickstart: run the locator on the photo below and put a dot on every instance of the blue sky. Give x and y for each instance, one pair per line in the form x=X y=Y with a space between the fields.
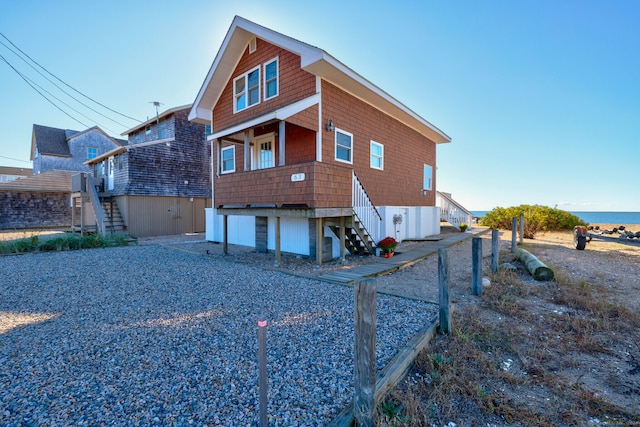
x=541 y=98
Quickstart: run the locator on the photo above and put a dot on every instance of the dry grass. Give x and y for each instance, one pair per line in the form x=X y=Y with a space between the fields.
x=527 y=354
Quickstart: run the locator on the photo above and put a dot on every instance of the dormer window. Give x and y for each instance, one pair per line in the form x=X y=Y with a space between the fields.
x=246 y=90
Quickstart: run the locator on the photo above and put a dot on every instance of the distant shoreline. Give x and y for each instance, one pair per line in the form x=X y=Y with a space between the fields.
x=593 y=218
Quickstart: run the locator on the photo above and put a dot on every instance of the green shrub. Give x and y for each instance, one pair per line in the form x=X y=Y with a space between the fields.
x=536 y=218
x=17 y=246
x=66 y=243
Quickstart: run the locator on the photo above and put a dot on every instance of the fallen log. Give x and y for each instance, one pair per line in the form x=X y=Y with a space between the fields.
x=534 y=266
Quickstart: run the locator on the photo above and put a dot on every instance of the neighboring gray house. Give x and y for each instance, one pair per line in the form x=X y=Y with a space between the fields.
x=54 y=149
x=160 y=182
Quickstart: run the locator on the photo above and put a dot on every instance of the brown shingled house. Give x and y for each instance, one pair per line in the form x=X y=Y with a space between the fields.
x=309 y=156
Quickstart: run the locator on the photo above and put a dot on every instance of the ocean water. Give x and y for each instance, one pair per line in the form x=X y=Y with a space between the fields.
x=596 y=217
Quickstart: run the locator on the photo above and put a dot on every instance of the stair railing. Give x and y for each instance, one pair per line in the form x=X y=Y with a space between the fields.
x=95 y=204
x=452 y=211
x=364 y=210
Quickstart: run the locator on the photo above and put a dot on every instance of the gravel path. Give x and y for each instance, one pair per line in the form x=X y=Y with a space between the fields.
x=151 y=335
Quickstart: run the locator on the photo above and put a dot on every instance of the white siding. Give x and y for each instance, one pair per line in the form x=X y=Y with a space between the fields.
x=242 y=229
x=417 y=222
x=294 y=235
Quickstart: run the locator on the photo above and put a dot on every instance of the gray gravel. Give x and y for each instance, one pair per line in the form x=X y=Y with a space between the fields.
x=153 y=336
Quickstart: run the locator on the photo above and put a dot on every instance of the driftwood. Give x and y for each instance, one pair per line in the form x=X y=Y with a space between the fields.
x=534 y=266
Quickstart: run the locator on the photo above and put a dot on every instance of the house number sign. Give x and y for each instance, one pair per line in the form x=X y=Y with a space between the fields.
x=296 y=177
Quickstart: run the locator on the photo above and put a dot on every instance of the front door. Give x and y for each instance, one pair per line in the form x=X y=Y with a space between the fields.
x=110 y=173
x=264 y=152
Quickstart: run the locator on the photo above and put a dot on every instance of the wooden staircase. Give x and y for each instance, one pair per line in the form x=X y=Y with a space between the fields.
x=357 y=240
x=114 y=223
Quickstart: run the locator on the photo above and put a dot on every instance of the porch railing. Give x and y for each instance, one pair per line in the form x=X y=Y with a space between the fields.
x=364 y=210
x=95 y=204
x=452 y=211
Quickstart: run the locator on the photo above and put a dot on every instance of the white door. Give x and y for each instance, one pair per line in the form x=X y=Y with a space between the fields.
x=263 y=152
x=110 y=173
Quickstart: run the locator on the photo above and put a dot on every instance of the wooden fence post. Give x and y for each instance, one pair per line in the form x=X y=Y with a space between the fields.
x=364 y=406
x=443 y=291
x=495 y=254
x=262 y=369
x=476 y=255
x=521 y=227
x=514 y=226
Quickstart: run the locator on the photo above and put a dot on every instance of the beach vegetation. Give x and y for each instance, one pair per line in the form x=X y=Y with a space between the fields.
x=537 y=218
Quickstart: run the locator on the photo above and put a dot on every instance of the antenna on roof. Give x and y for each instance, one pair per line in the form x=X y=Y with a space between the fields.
x=156 y=104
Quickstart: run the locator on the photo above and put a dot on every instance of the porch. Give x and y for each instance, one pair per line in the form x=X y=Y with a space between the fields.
x=325 y=195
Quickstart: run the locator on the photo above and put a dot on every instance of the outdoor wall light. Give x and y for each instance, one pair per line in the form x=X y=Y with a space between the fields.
x=330 y=126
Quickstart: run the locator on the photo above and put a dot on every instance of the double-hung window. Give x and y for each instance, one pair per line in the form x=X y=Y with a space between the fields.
x=271 y=79
x=344 y=144
x=428 y=177
x=228 y=159
x=246 y=90
x=377 y=155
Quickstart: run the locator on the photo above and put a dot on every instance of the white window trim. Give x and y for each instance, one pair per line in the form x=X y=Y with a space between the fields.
x=430 y=178
x=222 y=170
x=245 y=76
x=277 y=61
x=350 y=161
x=381 y=168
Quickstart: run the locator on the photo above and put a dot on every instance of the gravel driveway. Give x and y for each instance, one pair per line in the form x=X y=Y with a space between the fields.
x=151 y=335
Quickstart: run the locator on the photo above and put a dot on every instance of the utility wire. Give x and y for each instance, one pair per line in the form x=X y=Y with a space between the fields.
x=72 y=88
x=17 y=160
x=41 y=94
x=56 y=98
x=61 y=89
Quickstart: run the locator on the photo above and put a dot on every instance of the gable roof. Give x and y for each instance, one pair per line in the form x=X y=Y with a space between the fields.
x=55 y=142
x=313 y=60
x=116 y=141
x=153 y=119
x=50 y=141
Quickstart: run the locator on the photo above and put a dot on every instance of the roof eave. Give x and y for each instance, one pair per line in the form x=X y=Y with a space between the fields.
x=348 y=80
x=313 y=60
x=153 y=119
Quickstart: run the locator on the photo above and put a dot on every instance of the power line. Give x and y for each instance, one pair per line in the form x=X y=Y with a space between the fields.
x=69 y=86
x=41 y=94
x=62 y=90
x=55 y=97
x=17 y=160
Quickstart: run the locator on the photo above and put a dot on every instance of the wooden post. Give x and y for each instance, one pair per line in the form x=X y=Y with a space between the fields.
x=364 y=406
x=521 y=227
x=495 y=254
x=262 y=369
x=342 y=238
x=514 y=226
x=278 y=259
x=443 y=290
x=225 y=235
x=476 y=255
x=319 y=237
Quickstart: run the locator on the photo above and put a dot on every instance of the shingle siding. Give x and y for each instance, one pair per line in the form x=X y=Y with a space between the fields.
x=78 y=150
x=405 y=150
x=30 y=209
x=161 y=169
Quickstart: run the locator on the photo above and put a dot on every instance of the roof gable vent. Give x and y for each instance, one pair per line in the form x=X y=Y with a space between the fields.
x=252 y=45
